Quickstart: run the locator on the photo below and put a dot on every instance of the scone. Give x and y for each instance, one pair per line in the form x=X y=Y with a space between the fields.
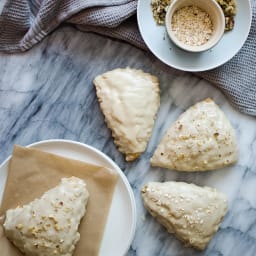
x=201 y=139
x=49 y=226
x=129 y=100
x=191 y=212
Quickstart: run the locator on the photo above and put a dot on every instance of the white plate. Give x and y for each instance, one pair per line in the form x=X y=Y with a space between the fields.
x=158 y=42
x=121 y=222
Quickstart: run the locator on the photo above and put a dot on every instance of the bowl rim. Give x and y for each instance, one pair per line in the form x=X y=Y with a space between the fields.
x=189 y=48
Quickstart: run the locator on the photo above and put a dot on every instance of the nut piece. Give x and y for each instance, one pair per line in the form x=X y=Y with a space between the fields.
x=229 y=10
x=159 y=8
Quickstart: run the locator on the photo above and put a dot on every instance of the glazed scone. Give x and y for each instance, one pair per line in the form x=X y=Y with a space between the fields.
x=191 y=212
x=129 y=100
x=49 y=225
x=201 y=139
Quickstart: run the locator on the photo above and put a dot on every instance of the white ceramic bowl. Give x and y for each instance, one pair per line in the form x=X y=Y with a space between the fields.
x=216 y=15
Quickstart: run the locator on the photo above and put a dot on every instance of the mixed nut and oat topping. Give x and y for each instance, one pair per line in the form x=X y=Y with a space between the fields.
x=159 y=8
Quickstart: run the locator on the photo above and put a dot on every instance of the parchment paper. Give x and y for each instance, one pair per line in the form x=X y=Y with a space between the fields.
x=32 y=172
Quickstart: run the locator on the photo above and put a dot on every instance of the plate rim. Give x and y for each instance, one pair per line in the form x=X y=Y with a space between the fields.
x=116 y=168
x=192 y=69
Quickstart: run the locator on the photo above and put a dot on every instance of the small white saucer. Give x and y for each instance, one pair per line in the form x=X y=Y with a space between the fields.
x=159 y=43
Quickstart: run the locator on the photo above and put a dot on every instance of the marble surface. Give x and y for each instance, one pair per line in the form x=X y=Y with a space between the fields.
x=47 y=93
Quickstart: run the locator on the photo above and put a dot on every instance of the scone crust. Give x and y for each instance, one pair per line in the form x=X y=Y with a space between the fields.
x=191 y=212
x=201 y=139
x=129 y=100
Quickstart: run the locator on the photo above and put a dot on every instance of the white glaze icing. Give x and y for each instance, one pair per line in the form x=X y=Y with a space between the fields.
x=129 y=99
x=49 y=226
x=191 y=212
x=201 y=139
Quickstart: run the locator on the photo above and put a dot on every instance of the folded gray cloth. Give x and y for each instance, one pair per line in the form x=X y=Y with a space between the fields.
x=24 y=23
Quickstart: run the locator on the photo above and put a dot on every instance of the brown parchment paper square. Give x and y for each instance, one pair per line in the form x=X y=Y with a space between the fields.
x=32 y=172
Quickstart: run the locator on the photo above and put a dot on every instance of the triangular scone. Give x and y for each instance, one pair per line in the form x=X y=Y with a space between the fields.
x=191 y=212
x=201 y=139
x=49 y=225
x=129 y=100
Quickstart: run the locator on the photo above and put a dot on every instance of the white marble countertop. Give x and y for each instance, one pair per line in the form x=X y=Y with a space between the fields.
x=47 y=93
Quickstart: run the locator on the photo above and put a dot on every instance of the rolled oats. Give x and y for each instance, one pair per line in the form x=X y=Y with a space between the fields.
x=192 y=25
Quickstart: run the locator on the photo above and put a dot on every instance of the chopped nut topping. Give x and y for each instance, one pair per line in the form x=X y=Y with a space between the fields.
x=19 y=226
x=229 y=10
x=159 y=8
x=144 y=189
x=57 y=227
x=216 y=134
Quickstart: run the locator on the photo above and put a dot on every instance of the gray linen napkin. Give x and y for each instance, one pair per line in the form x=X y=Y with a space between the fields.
x=24 y=23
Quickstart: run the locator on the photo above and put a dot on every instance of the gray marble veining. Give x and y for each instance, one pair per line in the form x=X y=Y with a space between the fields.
x=48 y=93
